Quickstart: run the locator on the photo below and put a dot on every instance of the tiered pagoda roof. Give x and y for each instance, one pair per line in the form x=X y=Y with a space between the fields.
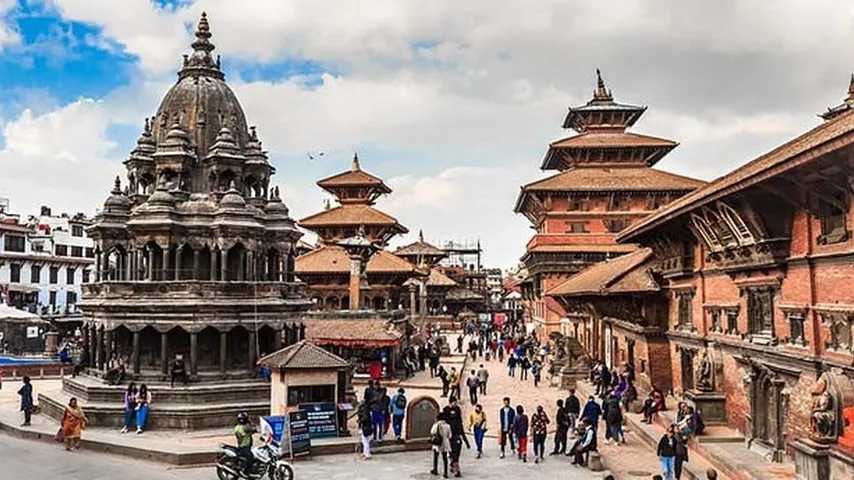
x=421 y=252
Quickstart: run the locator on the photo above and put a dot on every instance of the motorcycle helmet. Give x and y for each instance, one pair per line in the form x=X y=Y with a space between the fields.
x=242 y=418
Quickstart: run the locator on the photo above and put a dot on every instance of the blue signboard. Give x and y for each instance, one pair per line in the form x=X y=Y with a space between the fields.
x=274 y=426
x=322 y=419
x=299 y=434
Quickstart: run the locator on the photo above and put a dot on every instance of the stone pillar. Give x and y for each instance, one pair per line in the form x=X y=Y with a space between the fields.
x=150 y=269
x=93 y=339
x=108 y=345
x=166 y=256
x=223 y=264
x=179 y=252
x=194 y=352
x=196 y=257
x=277 y=341
x=97 y=265
x=135 y=354
x=422 y=296
x=164 y=353
x=301 y=335
x=99 y=348
x=252 y=350
x=223 y=352
x=241 y=266
x=213 y=265
x=355 y=282
x=413 y=301
x=131 y=272
x=250 y=266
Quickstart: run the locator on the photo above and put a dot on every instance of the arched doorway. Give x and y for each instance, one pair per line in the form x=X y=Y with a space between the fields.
x=208 y=349
x=238 y=347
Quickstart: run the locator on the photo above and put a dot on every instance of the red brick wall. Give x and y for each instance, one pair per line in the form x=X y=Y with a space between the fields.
x=737 y=405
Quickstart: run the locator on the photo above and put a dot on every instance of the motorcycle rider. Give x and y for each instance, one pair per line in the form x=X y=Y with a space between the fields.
x=243 y=433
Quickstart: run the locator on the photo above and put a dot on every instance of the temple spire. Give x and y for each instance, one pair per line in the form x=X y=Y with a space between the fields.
x=117 y=186
x=355 y=167
x=421 y=235
x=601 y=93
x=201 y=62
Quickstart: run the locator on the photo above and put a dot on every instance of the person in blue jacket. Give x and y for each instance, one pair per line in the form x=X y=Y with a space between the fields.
x=592 y=411
x=506 y=416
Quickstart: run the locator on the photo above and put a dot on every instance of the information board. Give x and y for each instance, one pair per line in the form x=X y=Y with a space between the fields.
x=322 y=419
x=300 y=438
x=274 y=426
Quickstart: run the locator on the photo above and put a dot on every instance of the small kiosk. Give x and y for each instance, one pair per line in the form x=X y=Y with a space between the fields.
x=306 y=377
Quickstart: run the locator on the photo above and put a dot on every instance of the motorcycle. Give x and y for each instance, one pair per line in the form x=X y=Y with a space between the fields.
x=266 y=462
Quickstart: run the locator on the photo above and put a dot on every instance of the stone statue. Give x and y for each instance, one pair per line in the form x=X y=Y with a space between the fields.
x=704 y=374
x=822 y=412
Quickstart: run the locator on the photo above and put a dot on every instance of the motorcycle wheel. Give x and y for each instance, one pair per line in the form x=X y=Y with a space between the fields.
x=224 y=474
x=283 y=472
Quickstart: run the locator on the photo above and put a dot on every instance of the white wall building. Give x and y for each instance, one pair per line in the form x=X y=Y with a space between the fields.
x=44 y=260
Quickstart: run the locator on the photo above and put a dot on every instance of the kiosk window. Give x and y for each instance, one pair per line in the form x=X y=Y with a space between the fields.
x=310 y=394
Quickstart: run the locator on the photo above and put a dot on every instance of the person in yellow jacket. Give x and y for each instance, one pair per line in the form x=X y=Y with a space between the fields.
x=477 y=424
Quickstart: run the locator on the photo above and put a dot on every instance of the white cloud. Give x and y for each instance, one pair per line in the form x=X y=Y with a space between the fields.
x=8 y=33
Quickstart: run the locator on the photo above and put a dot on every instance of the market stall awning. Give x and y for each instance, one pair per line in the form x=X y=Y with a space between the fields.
x=12 y=314
x=359 y=333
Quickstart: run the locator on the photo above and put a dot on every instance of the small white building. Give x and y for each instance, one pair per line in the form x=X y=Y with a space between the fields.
x=44 y=260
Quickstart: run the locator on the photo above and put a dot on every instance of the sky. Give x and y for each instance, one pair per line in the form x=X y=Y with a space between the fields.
x=452 y=103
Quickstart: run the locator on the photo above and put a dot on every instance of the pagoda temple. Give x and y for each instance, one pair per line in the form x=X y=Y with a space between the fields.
x=326 y=269
x=194 y=263
x=604 y=183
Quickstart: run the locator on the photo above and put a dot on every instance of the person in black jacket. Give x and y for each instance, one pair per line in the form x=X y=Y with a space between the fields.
x=680 y=458
x=666 y=452
x=562 y=421
x=573 y=410
x=613 y=421
x=454 y=417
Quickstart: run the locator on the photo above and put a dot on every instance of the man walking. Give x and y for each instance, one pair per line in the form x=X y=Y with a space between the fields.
x=562 y=421
x=482 y=377
x=473 y=383
x=506 y=416
x=454 y=417
x=398 y=411
x=446 y=381
x=573 y=409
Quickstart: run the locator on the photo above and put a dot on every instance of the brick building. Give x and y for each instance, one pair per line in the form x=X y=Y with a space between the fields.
x=604 y=183
x=752 y=277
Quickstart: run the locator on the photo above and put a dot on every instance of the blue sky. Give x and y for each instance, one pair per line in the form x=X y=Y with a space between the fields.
x=453 y=103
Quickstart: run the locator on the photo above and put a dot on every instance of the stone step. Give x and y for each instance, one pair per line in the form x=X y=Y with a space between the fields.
x=93 y=391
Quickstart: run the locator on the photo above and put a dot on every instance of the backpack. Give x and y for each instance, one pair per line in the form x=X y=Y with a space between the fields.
x=400 y=402
x=436 y=439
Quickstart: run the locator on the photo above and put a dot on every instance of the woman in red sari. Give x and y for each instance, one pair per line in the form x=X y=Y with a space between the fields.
x=73 y=423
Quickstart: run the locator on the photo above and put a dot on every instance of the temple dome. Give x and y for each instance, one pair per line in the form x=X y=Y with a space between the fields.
x=232 y=198
x=201 y=102
x=117 y=202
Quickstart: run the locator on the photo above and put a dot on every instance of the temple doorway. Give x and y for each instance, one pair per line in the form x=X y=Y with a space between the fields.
x=686 y=363
x=767 y=419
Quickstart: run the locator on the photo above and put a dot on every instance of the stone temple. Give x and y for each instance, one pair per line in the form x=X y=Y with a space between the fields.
x=194 y=260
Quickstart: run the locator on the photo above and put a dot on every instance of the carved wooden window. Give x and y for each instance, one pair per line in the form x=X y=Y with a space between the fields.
x=732 y=322
x=577 y=227
x=684 y=315
x=716 y=320
x=618 y=202
x=833 y=216
x=760 y=310
x=841 y=329
x=578 y=204
x=796 y=328
x=616 y=225
x=736 y=224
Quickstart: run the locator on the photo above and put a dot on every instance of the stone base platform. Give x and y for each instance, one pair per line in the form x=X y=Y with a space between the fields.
x=194 y=407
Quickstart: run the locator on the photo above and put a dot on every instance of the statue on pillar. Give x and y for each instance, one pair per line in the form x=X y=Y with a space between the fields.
x=704 y=374
x=822 y=412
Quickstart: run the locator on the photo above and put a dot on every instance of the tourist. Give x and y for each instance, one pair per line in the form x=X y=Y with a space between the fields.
x=454 y=380
x=653 y=404
x=143 y=404
x=473 y=383
x=680 y=458
x=434 y=363
x=604 y=381
x=129 y=402
x=536 y=371
x=73 y=422
x=573 y=410
x=398 y=411
x=375 y=403
x=520 y=431
x=473 y=348
x=613 y=421
x=368 y=394
x=586 y=443
x=525 y=365
x=666 y=452
x=477 y=424
x=685 y=421
x=506 y=416
x=592 y=411
x=539 y=430
x=500 y=349
x=460 y=343
x=454 y=417
x=445 y=378
x=178 y=371
x=26 y=393
x=366 y=429
x=385 y=404
x=440 y=438
x=562 y=421
x=511 y=365
x=482 y=377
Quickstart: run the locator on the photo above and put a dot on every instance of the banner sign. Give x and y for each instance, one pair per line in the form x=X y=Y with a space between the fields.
x=322 y=419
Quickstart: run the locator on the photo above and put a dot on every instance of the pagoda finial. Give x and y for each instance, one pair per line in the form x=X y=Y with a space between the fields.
x=276 y=190
x=421 y=235
x=356 y=167
x=117 y=186
x=601 y=93
x=147 y=128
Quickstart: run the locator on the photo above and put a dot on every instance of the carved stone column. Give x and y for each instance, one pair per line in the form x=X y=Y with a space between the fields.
x=223 y=352
x=196 y=261
x=223 y=265
x=194 y=352
x=252 y=351
x=150 y=267
x=166 y=261
x=135 y=353
x=179 y=253
x=164 y=353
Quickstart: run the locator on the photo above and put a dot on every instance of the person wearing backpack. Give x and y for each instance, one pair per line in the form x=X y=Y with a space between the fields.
x=398 y=411
x=440 y=439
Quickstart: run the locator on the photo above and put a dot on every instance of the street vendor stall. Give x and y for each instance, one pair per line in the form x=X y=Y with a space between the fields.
x=21 y=331
x=372 y=346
